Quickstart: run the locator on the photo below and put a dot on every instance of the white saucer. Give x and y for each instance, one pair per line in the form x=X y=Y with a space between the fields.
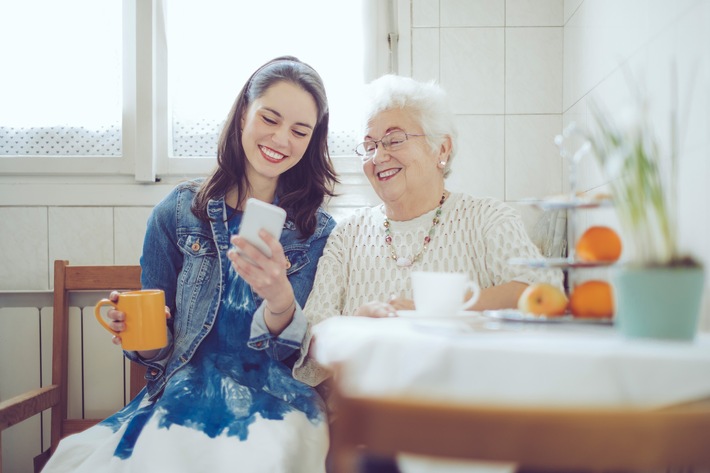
x=415 y=314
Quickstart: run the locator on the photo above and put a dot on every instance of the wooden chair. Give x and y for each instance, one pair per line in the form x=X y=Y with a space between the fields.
x=535 y=439
x=69 y=278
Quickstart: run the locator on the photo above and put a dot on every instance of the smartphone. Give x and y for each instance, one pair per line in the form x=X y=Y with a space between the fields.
x=258 y=215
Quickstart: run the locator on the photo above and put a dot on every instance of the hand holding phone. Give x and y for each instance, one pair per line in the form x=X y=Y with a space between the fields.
x=258 y=215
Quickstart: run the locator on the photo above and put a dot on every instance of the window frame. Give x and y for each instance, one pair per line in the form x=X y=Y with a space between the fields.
x=144 y=159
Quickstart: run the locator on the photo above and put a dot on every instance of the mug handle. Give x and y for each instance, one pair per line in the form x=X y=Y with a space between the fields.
x=100 y=318
x=476 y=293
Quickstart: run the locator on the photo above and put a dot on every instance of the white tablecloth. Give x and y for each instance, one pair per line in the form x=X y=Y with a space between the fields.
x=504 y=363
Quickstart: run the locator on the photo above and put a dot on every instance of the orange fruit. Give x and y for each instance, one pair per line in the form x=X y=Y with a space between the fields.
x=598 y=243
x=592 y=298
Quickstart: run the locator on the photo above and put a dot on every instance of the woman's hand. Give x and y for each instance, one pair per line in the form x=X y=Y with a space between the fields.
x=118 y=324
x=385 y=309
x=117 y=319
x=267 y=276
x=401 y=303
x=376 y=309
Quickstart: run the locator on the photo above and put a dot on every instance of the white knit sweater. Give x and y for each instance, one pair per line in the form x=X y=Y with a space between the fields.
x=476 y=236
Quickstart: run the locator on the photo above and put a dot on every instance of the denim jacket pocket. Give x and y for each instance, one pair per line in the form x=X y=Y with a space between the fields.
x=297 y=256
x=199 y=252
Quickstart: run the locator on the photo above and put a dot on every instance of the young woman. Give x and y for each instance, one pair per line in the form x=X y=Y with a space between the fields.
x=220 y=396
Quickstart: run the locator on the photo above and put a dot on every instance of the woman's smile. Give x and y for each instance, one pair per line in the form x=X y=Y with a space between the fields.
x=387 y=173
x=271 y=155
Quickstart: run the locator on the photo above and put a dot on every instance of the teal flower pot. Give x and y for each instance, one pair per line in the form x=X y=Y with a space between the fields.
x=662 y=303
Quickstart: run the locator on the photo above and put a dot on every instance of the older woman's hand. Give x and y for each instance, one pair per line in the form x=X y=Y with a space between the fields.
x=385 y=309
x=401 y=303
x=376 y=309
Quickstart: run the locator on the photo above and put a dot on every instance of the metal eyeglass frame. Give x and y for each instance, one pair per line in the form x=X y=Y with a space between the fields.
x=386 y=143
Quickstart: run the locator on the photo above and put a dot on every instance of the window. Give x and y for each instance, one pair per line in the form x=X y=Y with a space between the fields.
x=61 y=94
x=213 y=47
x=141 y=88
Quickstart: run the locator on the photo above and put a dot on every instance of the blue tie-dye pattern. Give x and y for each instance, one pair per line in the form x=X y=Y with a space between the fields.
x=225 y=385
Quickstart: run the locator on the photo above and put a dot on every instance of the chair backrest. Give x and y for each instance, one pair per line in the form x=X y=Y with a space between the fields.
x=69 y=278
x=535 y=439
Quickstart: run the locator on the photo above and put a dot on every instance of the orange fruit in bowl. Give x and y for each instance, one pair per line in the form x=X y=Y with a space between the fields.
x=592 y=298
x=598 y=243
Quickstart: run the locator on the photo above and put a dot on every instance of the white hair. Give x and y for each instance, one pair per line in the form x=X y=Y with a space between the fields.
x=427 y=102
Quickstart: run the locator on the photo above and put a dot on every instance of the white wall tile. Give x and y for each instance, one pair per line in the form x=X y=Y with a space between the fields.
x=46 y=326
x=530 y=216
x=74 y=394
x=693 y=203
x=534 y=13
x=472 y=69
x=570 y=7
x=575 y=117
x=103 y=369
x=81 y=235
x=661 y=13
x=425 y=55
x=472 y=13
x=20 y=443
x=129 y=231
x=533 y=70
x=23 y=264
x=532 y=162
x=478 y=167
x=425 y=13
x=692 y=62
x=600 y=37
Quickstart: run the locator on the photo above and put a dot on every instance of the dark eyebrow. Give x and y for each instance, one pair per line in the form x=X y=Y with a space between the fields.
x=281 y=116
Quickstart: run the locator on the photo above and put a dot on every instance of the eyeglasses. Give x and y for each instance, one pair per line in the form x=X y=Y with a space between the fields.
x=391 y=141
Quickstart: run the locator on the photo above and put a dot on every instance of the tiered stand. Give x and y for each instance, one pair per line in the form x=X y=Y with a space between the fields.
x=571 y=203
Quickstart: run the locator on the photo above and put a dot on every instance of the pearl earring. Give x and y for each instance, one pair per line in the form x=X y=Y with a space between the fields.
x=442 y=164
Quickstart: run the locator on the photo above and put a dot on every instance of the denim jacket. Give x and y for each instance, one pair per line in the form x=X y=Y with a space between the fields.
x=187 y=258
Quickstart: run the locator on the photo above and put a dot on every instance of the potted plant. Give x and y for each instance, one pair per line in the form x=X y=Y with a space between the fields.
x=658 y=290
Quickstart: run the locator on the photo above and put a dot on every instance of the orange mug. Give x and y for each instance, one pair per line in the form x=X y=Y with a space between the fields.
x=146 y=327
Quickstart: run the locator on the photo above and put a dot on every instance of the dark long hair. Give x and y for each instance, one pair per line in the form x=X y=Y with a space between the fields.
x=302 y=188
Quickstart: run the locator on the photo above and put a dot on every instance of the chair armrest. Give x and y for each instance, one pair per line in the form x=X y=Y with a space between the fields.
x=24 y=406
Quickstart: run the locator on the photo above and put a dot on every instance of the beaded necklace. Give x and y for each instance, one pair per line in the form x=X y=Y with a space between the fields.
x=403 y=261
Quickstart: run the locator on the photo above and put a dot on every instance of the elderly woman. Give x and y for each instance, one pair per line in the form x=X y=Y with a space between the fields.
x=408 y=149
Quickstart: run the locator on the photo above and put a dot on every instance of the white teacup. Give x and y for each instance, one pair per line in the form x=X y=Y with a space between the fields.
x=443 y=293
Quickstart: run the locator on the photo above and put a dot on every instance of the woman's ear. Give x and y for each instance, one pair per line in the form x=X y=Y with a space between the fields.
x=444 y=151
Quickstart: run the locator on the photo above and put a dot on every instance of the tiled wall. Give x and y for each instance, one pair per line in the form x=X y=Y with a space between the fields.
x=517 y=70
x=501 y=63
x=37 y=236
